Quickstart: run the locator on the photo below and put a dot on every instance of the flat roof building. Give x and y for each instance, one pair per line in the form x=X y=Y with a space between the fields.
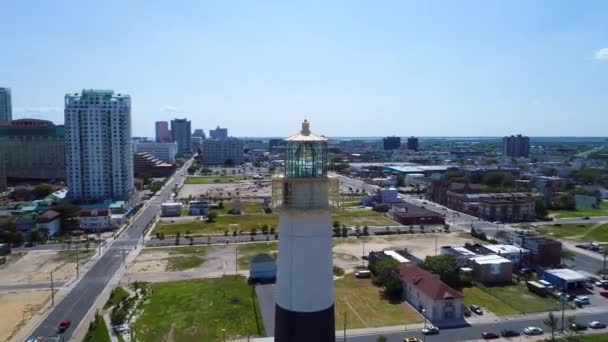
x=222 y=151
x=563 y=278
x=33 y=149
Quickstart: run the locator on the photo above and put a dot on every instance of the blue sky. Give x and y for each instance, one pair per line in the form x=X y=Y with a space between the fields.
x=354 y=68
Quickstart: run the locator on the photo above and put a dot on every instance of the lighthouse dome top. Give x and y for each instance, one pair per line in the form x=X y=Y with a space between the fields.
x=305 y=134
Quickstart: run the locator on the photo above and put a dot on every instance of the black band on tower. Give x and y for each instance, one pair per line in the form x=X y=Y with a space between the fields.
x=291 y=326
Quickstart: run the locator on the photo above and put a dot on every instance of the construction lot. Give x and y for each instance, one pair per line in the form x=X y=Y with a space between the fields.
x=18 y=308
x=244 y=189
x=184 y=262
x=36 y=267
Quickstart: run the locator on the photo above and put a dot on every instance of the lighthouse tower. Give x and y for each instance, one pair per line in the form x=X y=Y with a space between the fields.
x=304 y=196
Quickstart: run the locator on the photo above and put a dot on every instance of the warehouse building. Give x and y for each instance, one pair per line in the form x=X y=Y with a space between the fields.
x=563 y=278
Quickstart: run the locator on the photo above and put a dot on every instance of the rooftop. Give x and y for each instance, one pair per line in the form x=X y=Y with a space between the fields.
x=490 y=260
x=396 y=256
x=567 y=274
x=419 y=168
x=305 y=134
x=427 y=283
x=506 y=249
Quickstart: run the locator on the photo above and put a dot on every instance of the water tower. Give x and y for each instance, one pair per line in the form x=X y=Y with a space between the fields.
x=304 y=196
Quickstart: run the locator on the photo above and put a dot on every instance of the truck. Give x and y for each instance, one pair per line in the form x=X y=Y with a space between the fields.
x=537 y=288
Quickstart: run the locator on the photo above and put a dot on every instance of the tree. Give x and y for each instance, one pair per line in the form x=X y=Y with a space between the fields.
x=551 y=323
x=34 y=236
x=211 y=217
x=365 y=231
x=540 y=208
x=443 y=265
x=42 y=190
x=400 y=180
x=501 y=235
x=381 y=338
x=386 y=276
x=118 y=316
x=344 y=231
x=69 y=213
x=336 y=224
x=570 y=332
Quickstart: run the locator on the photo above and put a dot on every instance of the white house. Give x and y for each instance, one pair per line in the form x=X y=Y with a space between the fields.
x=49 y=222
x=95 y=219
x=429 y=295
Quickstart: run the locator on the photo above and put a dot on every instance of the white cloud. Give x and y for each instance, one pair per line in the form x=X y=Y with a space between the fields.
x=169 y=109
x=601 y=54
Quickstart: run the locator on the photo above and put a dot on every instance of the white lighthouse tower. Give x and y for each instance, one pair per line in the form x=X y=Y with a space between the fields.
x=304 y=196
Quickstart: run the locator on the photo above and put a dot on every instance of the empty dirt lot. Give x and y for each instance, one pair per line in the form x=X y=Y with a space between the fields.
x=173 y=263
x=18 y=308
x=35 y=267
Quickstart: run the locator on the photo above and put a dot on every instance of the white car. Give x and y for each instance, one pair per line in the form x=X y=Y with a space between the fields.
x=533 y=331
x=430 y=330
x=596 y=325
x=583 y=300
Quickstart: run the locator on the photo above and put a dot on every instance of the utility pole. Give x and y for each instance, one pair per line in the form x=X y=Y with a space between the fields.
x=344 y=326
x=77 y=263
x=435 y=245
x=236 y=261
x=563 y=300
x=52 y=291
x=363 y=254
x=122 y=252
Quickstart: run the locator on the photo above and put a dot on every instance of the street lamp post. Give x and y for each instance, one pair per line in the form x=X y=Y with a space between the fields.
x=424 y=329
x=224 y=335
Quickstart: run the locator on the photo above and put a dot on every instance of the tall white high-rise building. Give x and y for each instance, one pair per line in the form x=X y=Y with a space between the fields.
x=6 y=108
x=99 y=160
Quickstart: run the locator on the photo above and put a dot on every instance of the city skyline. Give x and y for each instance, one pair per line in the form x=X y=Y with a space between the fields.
x=516 y=68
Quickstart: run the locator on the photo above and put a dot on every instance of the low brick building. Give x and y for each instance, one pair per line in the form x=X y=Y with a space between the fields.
x=409 y=214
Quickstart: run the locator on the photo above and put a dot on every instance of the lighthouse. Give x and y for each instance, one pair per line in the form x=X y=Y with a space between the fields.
x=304 y=196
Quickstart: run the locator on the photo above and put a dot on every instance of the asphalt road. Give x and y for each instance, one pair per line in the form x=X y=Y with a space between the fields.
x=80 y=299
x=473 y=332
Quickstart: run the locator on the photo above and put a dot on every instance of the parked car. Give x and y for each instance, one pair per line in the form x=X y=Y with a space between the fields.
x=509 y=333
x=467 y=312
x=596 y=325
x=476 y=309
x=430 y=330
x=583 y=300
x=586 y=218
x=63 y=325
x=411 y=339
x=489 y=335
x=363 y=274
x=577 y=327
x=533 y=331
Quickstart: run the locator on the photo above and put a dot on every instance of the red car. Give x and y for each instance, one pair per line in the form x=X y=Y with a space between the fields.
x=63 y=326
x=604 y=294
x=489 y=335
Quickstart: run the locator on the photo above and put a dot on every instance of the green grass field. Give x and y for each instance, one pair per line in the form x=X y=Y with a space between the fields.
x=365 y=307
x=599 y=234
x=248 y=222
x=566 y=230
x=99 y=333
x=223 y=223
x=602 y=210
x=591 y=338
x=520 y=299
x=117 y=296
x=362 y=218
x=183 y=258
x=198 y=310
x=213 y=179
x=246 y=207
x=474 y=295
x=246 y=251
